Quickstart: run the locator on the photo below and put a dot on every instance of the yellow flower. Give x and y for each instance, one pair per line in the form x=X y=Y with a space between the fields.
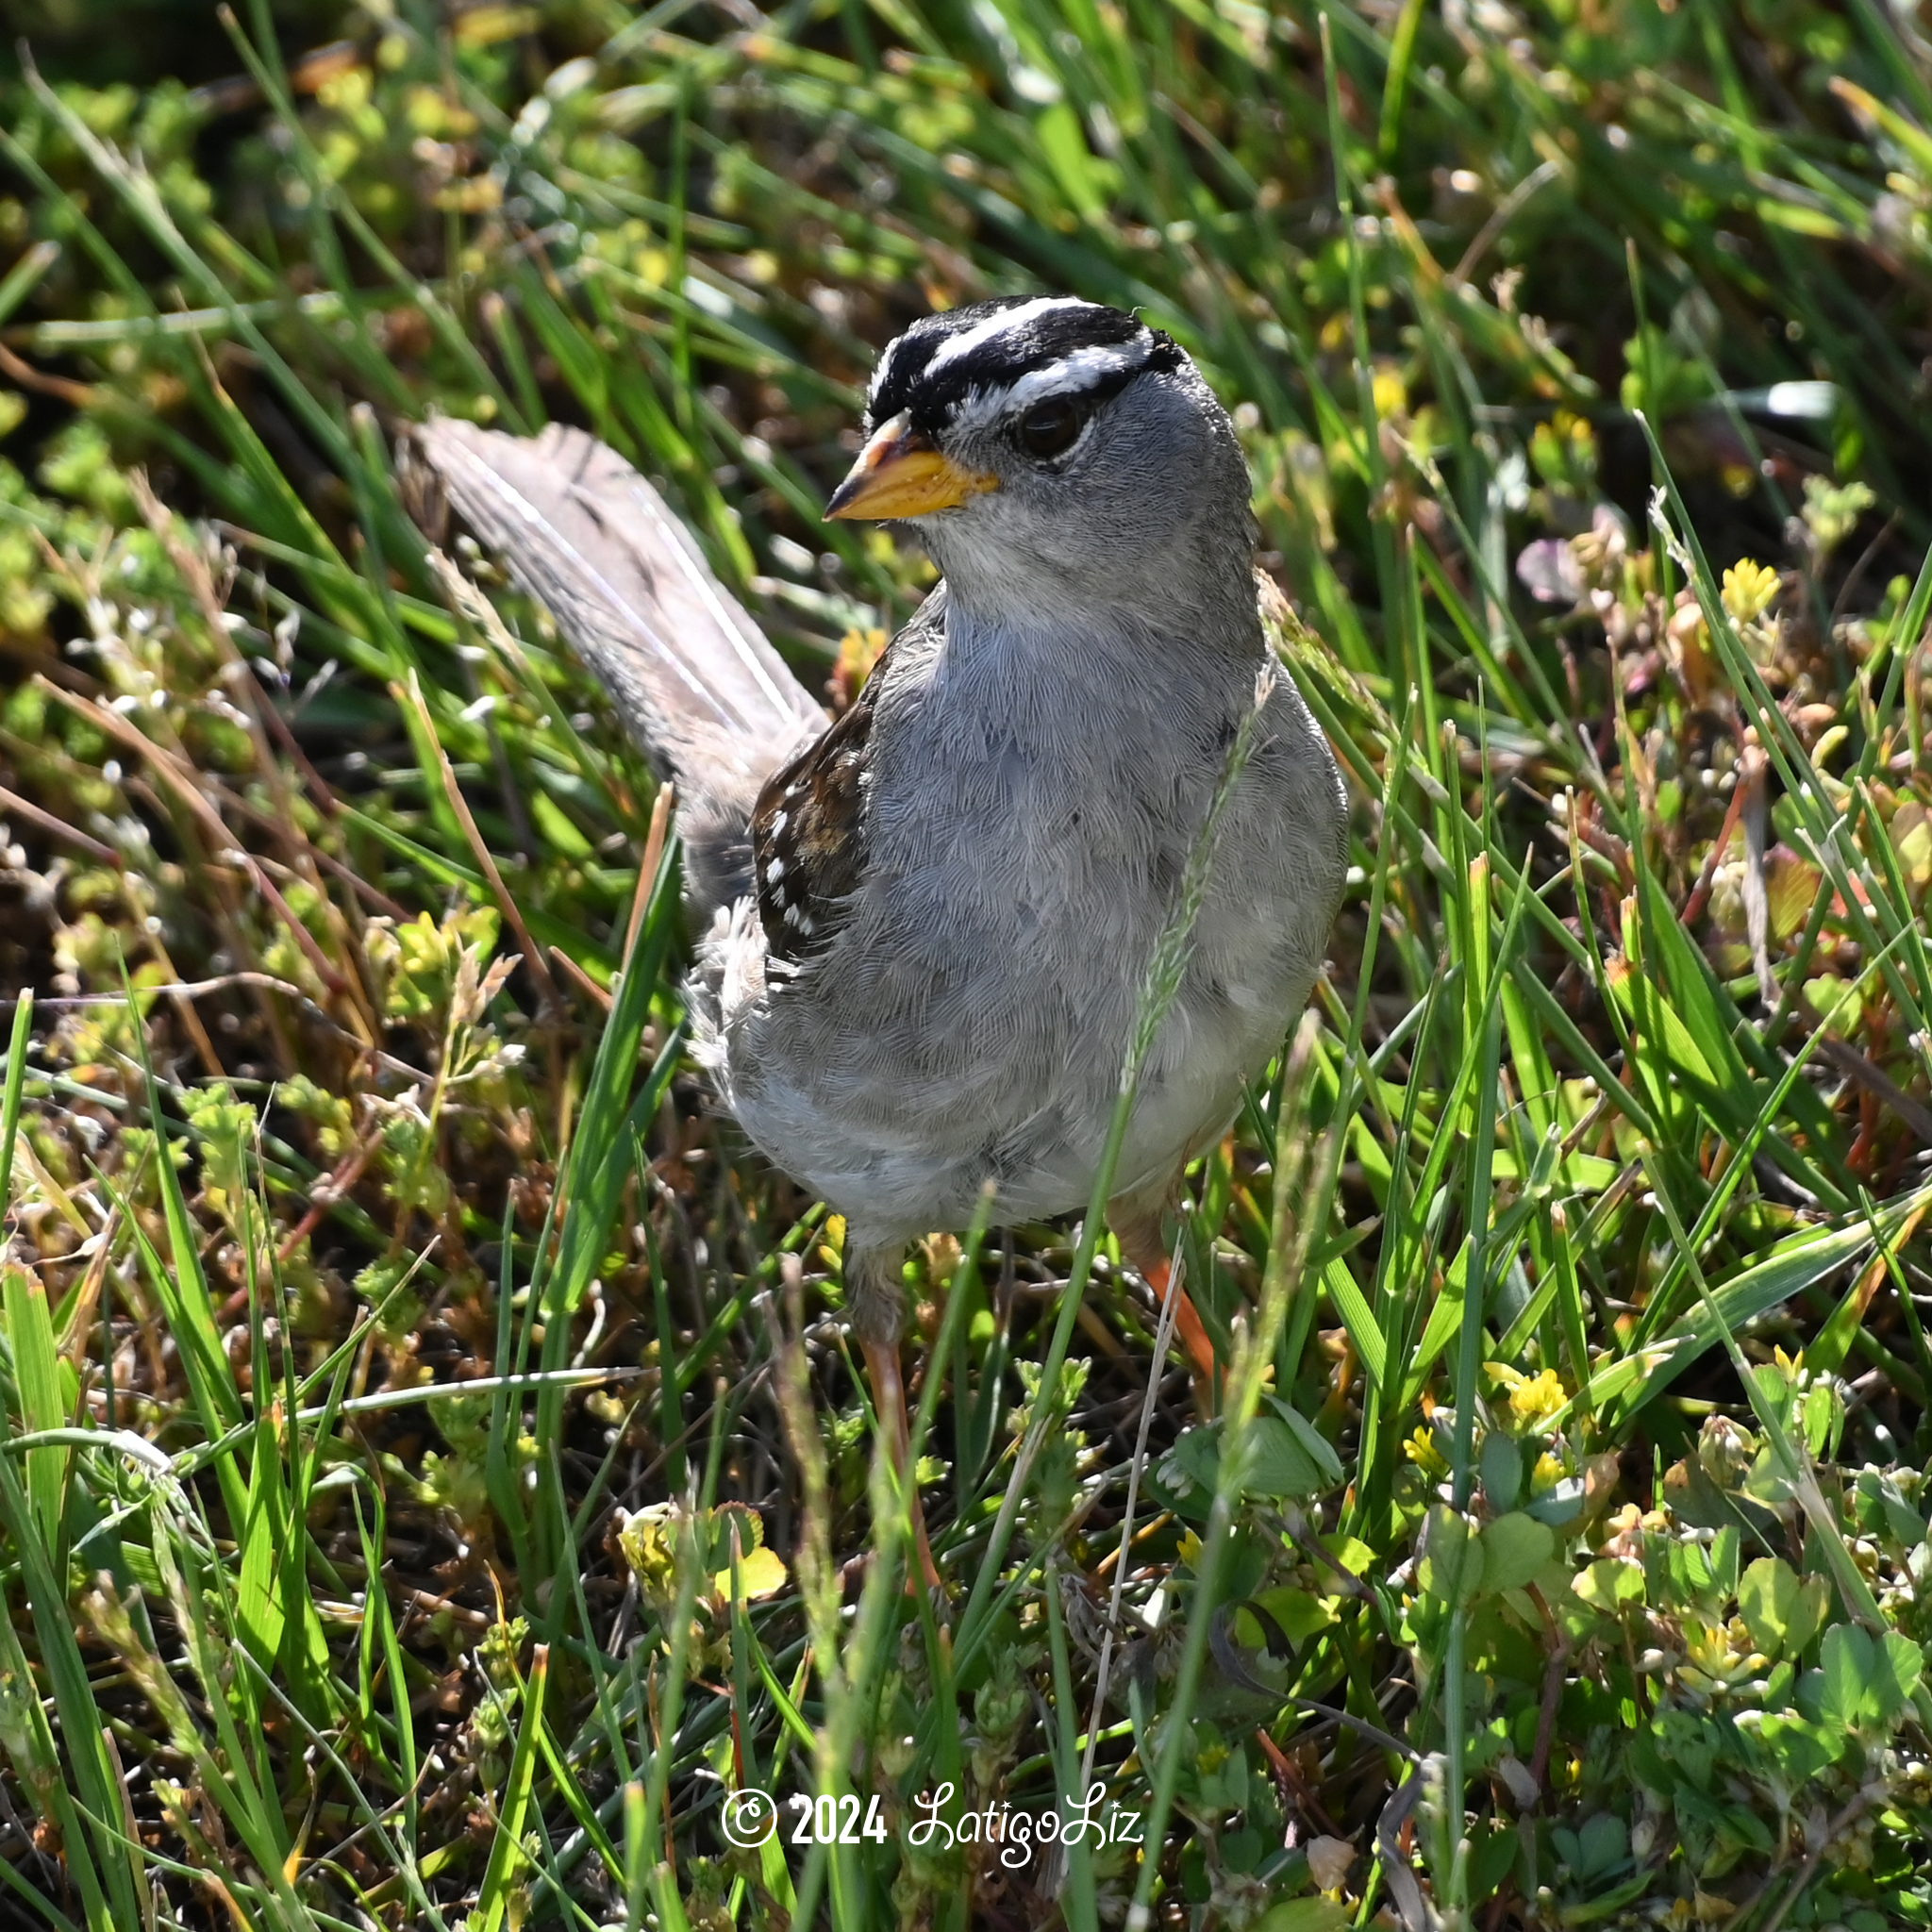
x=1392 y=392
x=1536 y=1397
x=1421 y=1449
x=1750 y=590
x=832 y=1242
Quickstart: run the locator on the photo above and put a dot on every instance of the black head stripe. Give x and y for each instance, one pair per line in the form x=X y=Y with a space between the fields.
x=943 y=361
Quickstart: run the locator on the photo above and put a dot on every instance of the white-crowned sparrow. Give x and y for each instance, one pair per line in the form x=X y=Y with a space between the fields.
x=931 y=921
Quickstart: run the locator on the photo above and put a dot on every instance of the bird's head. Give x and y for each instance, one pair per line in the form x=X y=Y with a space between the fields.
x=1051 y=449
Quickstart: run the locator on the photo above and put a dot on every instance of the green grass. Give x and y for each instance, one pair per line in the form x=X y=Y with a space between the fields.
x=433 y=1473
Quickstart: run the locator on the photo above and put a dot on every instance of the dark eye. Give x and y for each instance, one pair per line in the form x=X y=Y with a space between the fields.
x=1050 y=428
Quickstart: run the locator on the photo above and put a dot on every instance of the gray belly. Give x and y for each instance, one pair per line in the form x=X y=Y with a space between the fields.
x=970 y=1022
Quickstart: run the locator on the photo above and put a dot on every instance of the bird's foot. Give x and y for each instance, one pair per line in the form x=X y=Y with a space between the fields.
x=1190 y=1331
x=888 y=1394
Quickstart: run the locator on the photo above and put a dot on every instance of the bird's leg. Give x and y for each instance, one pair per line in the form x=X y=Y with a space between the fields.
x=878 y=1319
x=1140 y=1240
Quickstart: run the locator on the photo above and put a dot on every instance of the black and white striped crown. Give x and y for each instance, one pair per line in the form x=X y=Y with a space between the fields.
x=1008 y=355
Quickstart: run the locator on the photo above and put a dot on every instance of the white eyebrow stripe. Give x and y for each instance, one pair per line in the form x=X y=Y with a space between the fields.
x=968 y=340
x=881 y=369
x=1080 y=369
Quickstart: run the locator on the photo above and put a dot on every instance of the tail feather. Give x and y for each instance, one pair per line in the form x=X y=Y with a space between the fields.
x=694 y=678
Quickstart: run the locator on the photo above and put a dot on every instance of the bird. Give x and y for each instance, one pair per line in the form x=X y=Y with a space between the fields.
x=926 y=923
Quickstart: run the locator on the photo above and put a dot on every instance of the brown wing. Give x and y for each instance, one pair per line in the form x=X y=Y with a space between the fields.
x=808 y=834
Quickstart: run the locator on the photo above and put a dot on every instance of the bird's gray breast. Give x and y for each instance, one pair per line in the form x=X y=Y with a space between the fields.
x=1031 y=805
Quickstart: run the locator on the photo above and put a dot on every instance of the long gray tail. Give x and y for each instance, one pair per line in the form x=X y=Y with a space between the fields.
x=698 y=687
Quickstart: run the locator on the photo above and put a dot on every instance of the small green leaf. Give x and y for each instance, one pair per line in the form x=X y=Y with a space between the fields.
x=1198 y=1452
x=1610 y=1583
x=1502 y=1470
x=1723 y=1560
x=1898 y=1663
x=1350 y=1551
x=1607 y=1902
x=1807 y=1616
x=1452 y=1568
x=1278 y=1465
x=1768 y=1596
x=1767 y=1482
x=1848 y=1665
x=1299 y=1612
x=1802 y=1748
x=1515 y=1548
x=1314 y=1444
x=1305 y=1915
x=1882 y=1506
x=1604 y=1842
x=1824 y=1418
x=1745 y=1829
x=1690 y=1571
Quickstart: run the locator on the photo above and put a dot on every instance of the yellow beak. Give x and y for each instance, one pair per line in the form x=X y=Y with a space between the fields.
x=899 y=474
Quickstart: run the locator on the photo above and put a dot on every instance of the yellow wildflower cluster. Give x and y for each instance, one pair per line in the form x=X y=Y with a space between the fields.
x=1532 y=1399
x=1750 y=590
x=1537 y=1397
